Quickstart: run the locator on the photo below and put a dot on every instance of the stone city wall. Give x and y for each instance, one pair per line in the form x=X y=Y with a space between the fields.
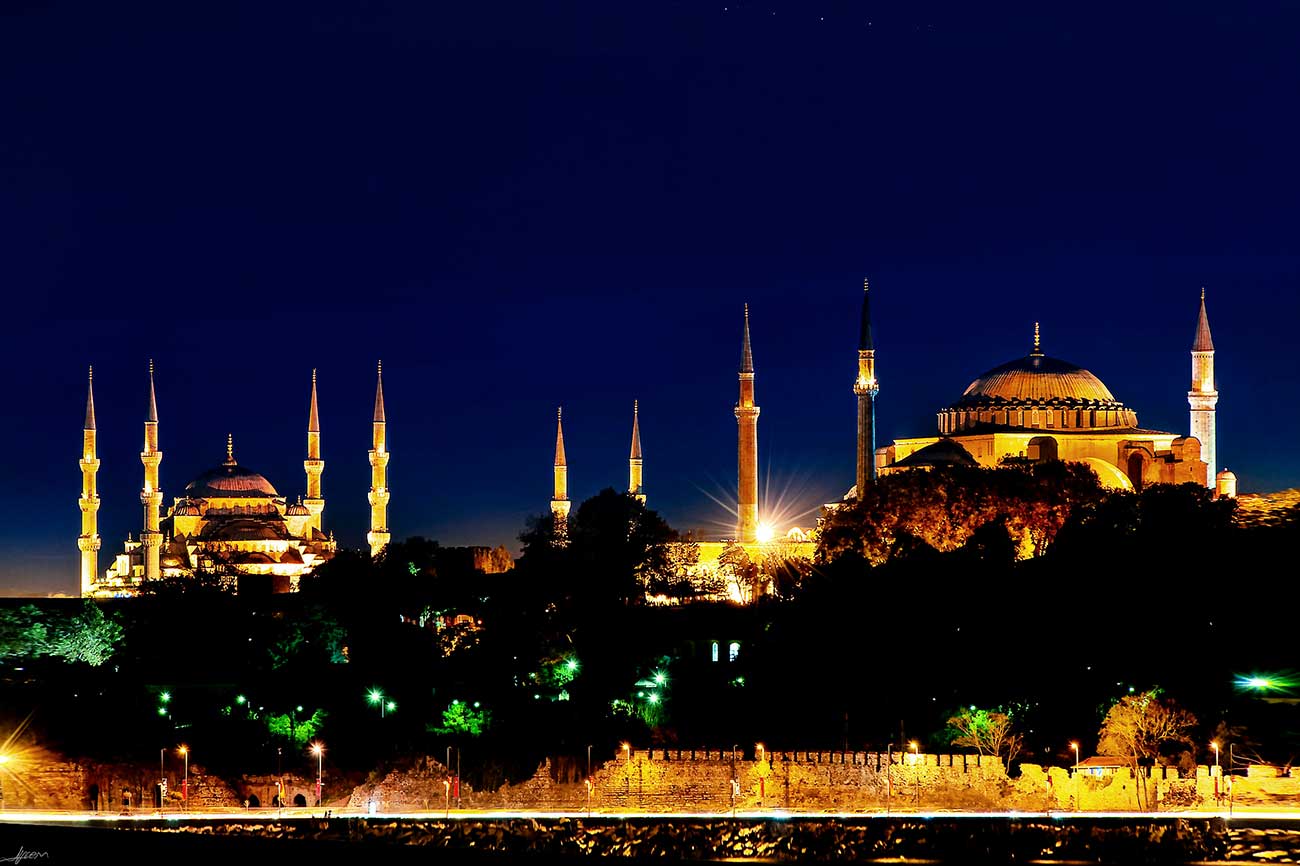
x=676 y=781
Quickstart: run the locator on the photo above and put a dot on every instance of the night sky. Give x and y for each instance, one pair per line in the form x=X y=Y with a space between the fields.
x=518 y=206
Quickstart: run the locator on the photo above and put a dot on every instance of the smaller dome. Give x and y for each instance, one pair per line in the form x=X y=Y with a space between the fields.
x=185 y=508
x=297 y=510
x=1225 y=475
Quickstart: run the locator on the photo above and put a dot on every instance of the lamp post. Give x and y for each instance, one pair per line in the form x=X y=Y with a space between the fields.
x=589 y=781
x=1075 y=745
x=1214 y=744
x=735 y=781
x=916 y=767
x=889 y=775
x=162 y=776
x=319 y=751
x=1231 y=788
x=377 y=697
x=185 y=785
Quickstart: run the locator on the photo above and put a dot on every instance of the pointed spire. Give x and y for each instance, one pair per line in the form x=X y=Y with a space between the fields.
x=379 y=396
x=746 y=353
x=230 y=449
x=1203 y=342
x=864 y=331
x=636 y=431
x=313 y=417
x=153 y=401
x=1038 y=349
x=559 y=437
x=90 y=399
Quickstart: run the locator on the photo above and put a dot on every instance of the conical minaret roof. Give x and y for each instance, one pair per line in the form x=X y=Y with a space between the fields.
x=90 y=398
x=636 y=431
x=153 y=401
x=864 y=330
x=746 y=352
x=559 y=437
x=313 y=417
x=1203 y=342
x=379 y=395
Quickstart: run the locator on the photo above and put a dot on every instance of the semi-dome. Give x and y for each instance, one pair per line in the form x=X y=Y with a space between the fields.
x=227 y=480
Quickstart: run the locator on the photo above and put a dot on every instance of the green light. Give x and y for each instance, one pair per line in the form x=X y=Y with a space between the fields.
x=162 y=711
x=375 y=696
x=392 y=705
x=298 y=708
x=572 y=665
x=660 y=677
x=165 y=697
x=241 y=700
x=654 y=699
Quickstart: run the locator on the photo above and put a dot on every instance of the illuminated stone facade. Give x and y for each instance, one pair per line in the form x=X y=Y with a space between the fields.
x=1042 y=408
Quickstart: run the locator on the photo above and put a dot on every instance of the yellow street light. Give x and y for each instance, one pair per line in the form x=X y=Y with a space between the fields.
x=319 y=751
x=185 y=785
x=1074 y=744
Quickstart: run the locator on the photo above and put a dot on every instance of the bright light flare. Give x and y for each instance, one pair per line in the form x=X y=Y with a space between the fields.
x=765 y=533
x=316 y=749
x=1266 y=682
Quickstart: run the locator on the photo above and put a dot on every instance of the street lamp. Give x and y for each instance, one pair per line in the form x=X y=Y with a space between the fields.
x=889 y=775
x=1075 y=745
x=162 y=776
x=319 y=751
x=376 y=697
x=185 y=785
x=916 y=766
x=1214 y=744
x=589 y=782
x=1232 y=788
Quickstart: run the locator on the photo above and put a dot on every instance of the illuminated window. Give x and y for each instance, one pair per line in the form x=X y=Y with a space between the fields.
x=715 y=651
x=733 y=651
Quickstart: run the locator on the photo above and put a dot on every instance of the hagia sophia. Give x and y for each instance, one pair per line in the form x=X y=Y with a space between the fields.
x=1033 y=408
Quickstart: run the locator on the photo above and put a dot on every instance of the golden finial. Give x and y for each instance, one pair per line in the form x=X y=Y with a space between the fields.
x=90 y=373
x=1036 y=339
x=1202 y=293
x=635 y=406
x=381 y=367
x=313 y=375
x=230 y=447
x=865 y=286
x=151 y=366
x=559 y=413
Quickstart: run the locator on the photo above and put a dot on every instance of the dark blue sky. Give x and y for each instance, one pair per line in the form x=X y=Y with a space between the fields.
x=518 y=205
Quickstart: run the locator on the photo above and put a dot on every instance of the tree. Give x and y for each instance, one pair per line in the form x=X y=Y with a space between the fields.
x=988 y=732
x=905 y=514
x=1138 y=727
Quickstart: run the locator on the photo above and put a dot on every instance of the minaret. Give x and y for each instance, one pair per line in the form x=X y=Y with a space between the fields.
x=378 y=535
x=866 y=387
x=634 y=478
x=1203 y=397
x=560 y=496
x=150 y=496
x=747 y=448
x=88 y=541
x=313 y=465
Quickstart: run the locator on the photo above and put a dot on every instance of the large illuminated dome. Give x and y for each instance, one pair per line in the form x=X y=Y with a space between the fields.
x=229 y=480
x=1036 y=392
